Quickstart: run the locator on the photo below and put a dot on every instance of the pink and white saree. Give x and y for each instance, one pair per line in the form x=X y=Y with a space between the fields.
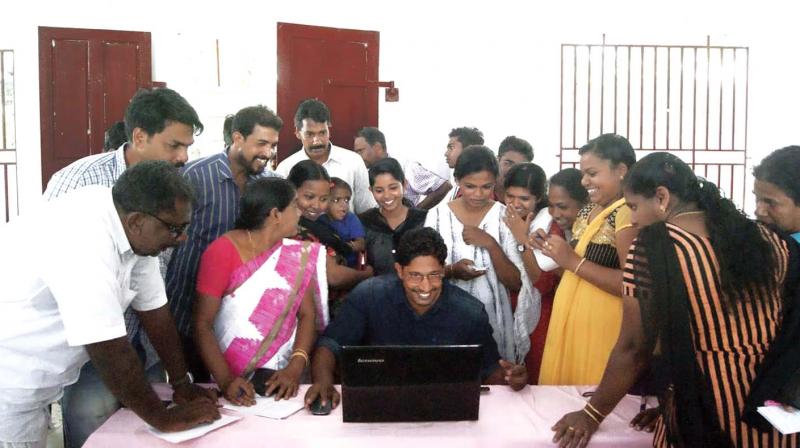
x=256 y=323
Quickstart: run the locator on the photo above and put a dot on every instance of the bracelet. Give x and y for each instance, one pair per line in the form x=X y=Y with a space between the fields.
x=599 y=414
x=578 y=267
x=586 y=411
x=301 y=353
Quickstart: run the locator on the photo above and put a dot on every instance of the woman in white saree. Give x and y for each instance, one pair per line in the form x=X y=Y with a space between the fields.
x=482 y=256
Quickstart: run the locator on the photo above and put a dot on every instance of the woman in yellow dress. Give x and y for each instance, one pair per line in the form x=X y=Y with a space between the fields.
x=587 y=309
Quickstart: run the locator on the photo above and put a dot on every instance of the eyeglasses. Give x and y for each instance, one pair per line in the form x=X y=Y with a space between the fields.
x=416 y=277
x=175 y=230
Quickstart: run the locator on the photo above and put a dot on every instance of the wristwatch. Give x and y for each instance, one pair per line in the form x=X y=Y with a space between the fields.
x=186 y=379
x=521 y=248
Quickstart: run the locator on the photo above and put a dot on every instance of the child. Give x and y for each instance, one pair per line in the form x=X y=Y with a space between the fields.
x=344 y=222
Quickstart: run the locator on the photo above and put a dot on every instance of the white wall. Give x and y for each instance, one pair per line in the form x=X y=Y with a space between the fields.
x=494 y=65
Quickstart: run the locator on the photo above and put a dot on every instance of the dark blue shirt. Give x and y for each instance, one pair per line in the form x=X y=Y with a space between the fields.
x=348 y=229
x=377 y=312
x=214 y=212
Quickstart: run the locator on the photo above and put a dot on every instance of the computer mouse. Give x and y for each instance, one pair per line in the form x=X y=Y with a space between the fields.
x=318 y=409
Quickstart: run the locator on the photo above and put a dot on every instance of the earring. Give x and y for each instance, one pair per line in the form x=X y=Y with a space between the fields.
x=663 y=209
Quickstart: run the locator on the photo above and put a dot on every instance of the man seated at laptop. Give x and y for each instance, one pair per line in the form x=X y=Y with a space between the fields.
x=414 y=307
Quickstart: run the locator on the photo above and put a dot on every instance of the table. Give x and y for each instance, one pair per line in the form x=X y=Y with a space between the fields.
x=507 y=419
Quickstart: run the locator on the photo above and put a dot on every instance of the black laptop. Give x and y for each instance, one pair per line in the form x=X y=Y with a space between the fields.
x=411 y=383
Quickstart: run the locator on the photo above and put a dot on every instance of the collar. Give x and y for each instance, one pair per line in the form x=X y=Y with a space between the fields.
x=223 y=165
x=796 y=236
x=117 y=230
x=119 y=160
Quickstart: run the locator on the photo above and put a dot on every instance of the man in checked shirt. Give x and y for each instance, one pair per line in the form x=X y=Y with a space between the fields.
x=160 y=125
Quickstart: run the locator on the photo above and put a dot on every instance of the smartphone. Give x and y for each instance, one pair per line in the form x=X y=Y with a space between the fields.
x=362 y=261
x=479 y=268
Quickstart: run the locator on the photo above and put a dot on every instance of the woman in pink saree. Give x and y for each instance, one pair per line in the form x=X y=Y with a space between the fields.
x=261 y=297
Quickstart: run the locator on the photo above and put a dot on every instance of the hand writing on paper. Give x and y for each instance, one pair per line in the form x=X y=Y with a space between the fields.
x=188 y=392
x=185 y=416
x=240 y=392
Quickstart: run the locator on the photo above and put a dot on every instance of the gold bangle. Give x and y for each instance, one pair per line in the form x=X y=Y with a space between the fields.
x=578 y=267
x=301 y=353
x=586 y=411
x=595 y=410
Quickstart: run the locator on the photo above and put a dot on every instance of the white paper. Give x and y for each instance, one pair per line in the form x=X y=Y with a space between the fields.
x=787 y=422
x=198 y=431
x=543 y=221
x=268 y=407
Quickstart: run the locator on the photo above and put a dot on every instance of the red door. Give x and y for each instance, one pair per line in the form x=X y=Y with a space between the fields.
x=338 y=66
x=86 y=78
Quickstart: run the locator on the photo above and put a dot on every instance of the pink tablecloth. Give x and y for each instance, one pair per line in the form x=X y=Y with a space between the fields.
x=507 y=419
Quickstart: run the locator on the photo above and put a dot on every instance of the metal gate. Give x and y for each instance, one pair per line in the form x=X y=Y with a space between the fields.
x=9 y=197
x=687 y=100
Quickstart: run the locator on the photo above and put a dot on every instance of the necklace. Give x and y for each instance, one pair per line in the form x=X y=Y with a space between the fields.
x=252 y=246
x=693 y=212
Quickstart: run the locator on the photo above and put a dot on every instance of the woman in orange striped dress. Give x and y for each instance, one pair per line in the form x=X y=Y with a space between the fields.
x=702 y=294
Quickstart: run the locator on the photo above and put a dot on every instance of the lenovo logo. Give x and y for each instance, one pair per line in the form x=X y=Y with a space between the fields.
x=369 y=361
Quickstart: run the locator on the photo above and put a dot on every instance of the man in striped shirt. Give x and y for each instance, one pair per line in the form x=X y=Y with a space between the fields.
x=219 y=181
x=160 y=125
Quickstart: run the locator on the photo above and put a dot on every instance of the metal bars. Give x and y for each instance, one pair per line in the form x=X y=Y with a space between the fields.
x=688 y=100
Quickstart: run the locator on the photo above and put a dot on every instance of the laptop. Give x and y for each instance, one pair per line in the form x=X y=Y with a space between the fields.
x=411 y=383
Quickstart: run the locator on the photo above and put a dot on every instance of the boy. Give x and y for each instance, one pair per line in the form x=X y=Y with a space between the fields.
x=344 y=222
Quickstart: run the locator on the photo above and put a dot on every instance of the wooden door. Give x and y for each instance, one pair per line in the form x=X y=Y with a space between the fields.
x=338 y=66
x=86 y=79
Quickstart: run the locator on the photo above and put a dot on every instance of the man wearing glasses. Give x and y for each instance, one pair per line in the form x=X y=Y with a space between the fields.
x=160 y=125
x=417 y=306
x=62 y=307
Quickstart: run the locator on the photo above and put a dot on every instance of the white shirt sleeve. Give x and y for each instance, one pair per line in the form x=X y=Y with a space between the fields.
x=146 y=282
x=363 y=197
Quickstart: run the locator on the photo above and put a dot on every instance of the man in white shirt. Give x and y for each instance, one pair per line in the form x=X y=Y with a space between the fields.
x=424 y=188
x=311 y=123
x=70 y=269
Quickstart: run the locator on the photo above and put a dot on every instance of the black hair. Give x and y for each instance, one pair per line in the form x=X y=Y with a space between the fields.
x=227 y=130
x=745 y=257
x=152 y=187
x=387 y=165
x=337 y=182
x=114 y=137
x=259 y=198
x=307 y=170
x=313 y=109
x=531 y=177
x=516 y=144
x=781 y=169
x=612 y=147
x=474 y=159
x=570 y=179
x=467 y=136
x=152 y=110
x=372 y=136
x=420 y=242
x=246 y=119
